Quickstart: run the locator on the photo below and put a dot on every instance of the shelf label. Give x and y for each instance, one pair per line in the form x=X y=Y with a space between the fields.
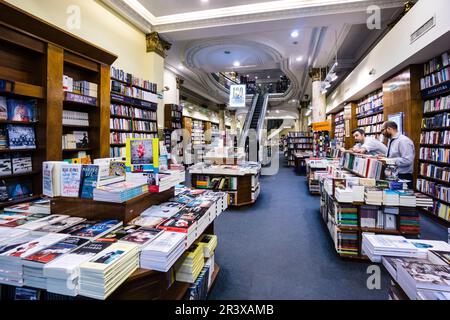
x=72 y=97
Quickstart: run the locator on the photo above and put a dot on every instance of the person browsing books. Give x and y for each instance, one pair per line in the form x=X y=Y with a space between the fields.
x=401 y=149
x=367 y=145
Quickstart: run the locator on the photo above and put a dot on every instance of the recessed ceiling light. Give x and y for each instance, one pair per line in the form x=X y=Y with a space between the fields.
x=268 y=77
x=294 y=34
x=299 y=58
x=256 y=78
x=248 y=76
x=237 y=64
x=181 y=67
x=278 y=111
x=204 y=1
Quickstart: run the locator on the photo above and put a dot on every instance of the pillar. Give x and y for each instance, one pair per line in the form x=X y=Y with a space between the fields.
x=233 y=122
x=319 y=100
x=156 y=53
x=222 y=126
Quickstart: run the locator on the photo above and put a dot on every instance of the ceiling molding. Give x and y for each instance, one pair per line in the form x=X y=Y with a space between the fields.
x=263 y=12
x=137 y=14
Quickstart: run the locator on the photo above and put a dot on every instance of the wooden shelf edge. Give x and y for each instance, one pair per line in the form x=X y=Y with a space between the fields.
x=26 y=90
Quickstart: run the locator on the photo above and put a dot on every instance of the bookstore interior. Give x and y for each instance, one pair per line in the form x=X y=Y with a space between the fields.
x=224 y=150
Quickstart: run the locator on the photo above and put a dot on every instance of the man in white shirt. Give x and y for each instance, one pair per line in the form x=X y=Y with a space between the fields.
x=401 y=149
x=368 y=145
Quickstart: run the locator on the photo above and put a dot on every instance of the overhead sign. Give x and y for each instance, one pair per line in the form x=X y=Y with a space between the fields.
x=321 y=126
x=237 y=96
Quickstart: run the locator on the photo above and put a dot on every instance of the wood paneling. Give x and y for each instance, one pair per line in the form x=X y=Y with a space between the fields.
x=402 y=94
x=105 y=102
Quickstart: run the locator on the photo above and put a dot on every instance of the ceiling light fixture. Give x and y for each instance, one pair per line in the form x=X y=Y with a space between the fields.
x=299 y=59
x=278 y=111
x=204 y=1
x=237 y=64
x=180 y=67
x=294 y=34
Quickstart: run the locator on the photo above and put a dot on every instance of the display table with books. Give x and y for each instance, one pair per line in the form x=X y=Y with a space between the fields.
x=352 y=206
x=241 y=182
x=165 y=252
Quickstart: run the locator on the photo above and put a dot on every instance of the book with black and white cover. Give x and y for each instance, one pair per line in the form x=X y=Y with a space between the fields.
x=165 y=210
x=61 y=225
x=21 y=137
x=142 y=237
x=102 y=274
x=18 y=223
x=63 y=273
x=390 y=263
x=5 y=165
x=117 y=234
x=421 y=276
x=21 y=163
x=93 y=229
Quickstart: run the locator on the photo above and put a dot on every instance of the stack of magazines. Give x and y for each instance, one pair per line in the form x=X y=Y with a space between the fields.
x=161 y=254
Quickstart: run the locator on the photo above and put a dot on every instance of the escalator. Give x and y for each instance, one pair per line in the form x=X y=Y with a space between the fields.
x=257 y=113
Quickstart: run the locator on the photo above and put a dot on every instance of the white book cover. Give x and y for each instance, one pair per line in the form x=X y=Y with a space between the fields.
x=70 y=180
x=43 y=222
x=389 y=243
x=7 y=234
x=165 y=243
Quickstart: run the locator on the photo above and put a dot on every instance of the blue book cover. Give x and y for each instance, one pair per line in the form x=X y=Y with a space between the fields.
x=21 y=110
x=21 y=137
x=89 y=180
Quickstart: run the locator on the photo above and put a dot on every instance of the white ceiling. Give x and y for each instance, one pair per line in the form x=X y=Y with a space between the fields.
x=258 y=35
x=169 y=7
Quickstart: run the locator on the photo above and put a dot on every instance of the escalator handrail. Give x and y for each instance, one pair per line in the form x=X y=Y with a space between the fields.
x=248 y=121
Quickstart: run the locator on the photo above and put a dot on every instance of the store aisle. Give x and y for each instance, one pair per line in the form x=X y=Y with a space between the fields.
x=280 y=249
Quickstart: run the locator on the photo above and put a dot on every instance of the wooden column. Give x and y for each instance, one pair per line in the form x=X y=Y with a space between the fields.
x=351 y=123
x=55 y=98
x=105 y=102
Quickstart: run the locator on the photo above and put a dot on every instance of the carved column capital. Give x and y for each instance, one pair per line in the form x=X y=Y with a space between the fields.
x=158 y=45
x=317 y=74
x=180 y=82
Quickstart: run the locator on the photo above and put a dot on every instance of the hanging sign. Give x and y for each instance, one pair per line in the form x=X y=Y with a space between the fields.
x=237 y=96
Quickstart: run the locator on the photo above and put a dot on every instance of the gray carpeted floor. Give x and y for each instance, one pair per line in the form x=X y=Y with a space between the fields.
x=280 y=249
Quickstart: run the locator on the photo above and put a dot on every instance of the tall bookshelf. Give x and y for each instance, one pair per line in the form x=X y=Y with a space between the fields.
x=434 y=161
x=133 y=110
x=339 y=128
x=297 y=142
x=370 y=114
x=34 y=57
x=173 y=120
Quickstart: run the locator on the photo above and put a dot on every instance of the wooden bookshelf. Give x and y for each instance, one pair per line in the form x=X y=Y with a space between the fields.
x=126 y=107
x=35 y=55
x=428 y=94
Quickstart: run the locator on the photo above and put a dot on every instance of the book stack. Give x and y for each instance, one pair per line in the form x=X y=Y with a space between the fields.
x=391 y=263
x=120 y=192
x=75 y=118
x=188 y=268
x=439 y=257
x=169 y=179
x=63 y=274
x=36 y=206
x=142 y=236
x=423 y=201
x=415 y=276
x=347 y=215
x=407 y=198
x=33 y=265
x=374 y=196
x=105 y=272
x=409 y=220
x=161 y=254
x=347 y=243
x=199 y=289
x=185 y=222
x=12 y=253
x=377 y=246
x=391 y=198
x=344 y=195
x=7 y=234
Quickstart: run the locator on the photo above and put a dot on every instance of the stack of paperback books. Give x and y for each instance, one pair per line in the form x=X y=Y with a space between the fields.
x=12 y=253
x=162 y=253
x=209 y=243
x=377 y=246
x=188 y=268
x=92 y=229
x=391 y=198
x=199 y=289
x=105 y=272
x=33 y=265
x=423 y=201
x=63 y=274
x=374 y=196
x=120 y=192
x=142 y=236
x=409 y=220
x=407 y=198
